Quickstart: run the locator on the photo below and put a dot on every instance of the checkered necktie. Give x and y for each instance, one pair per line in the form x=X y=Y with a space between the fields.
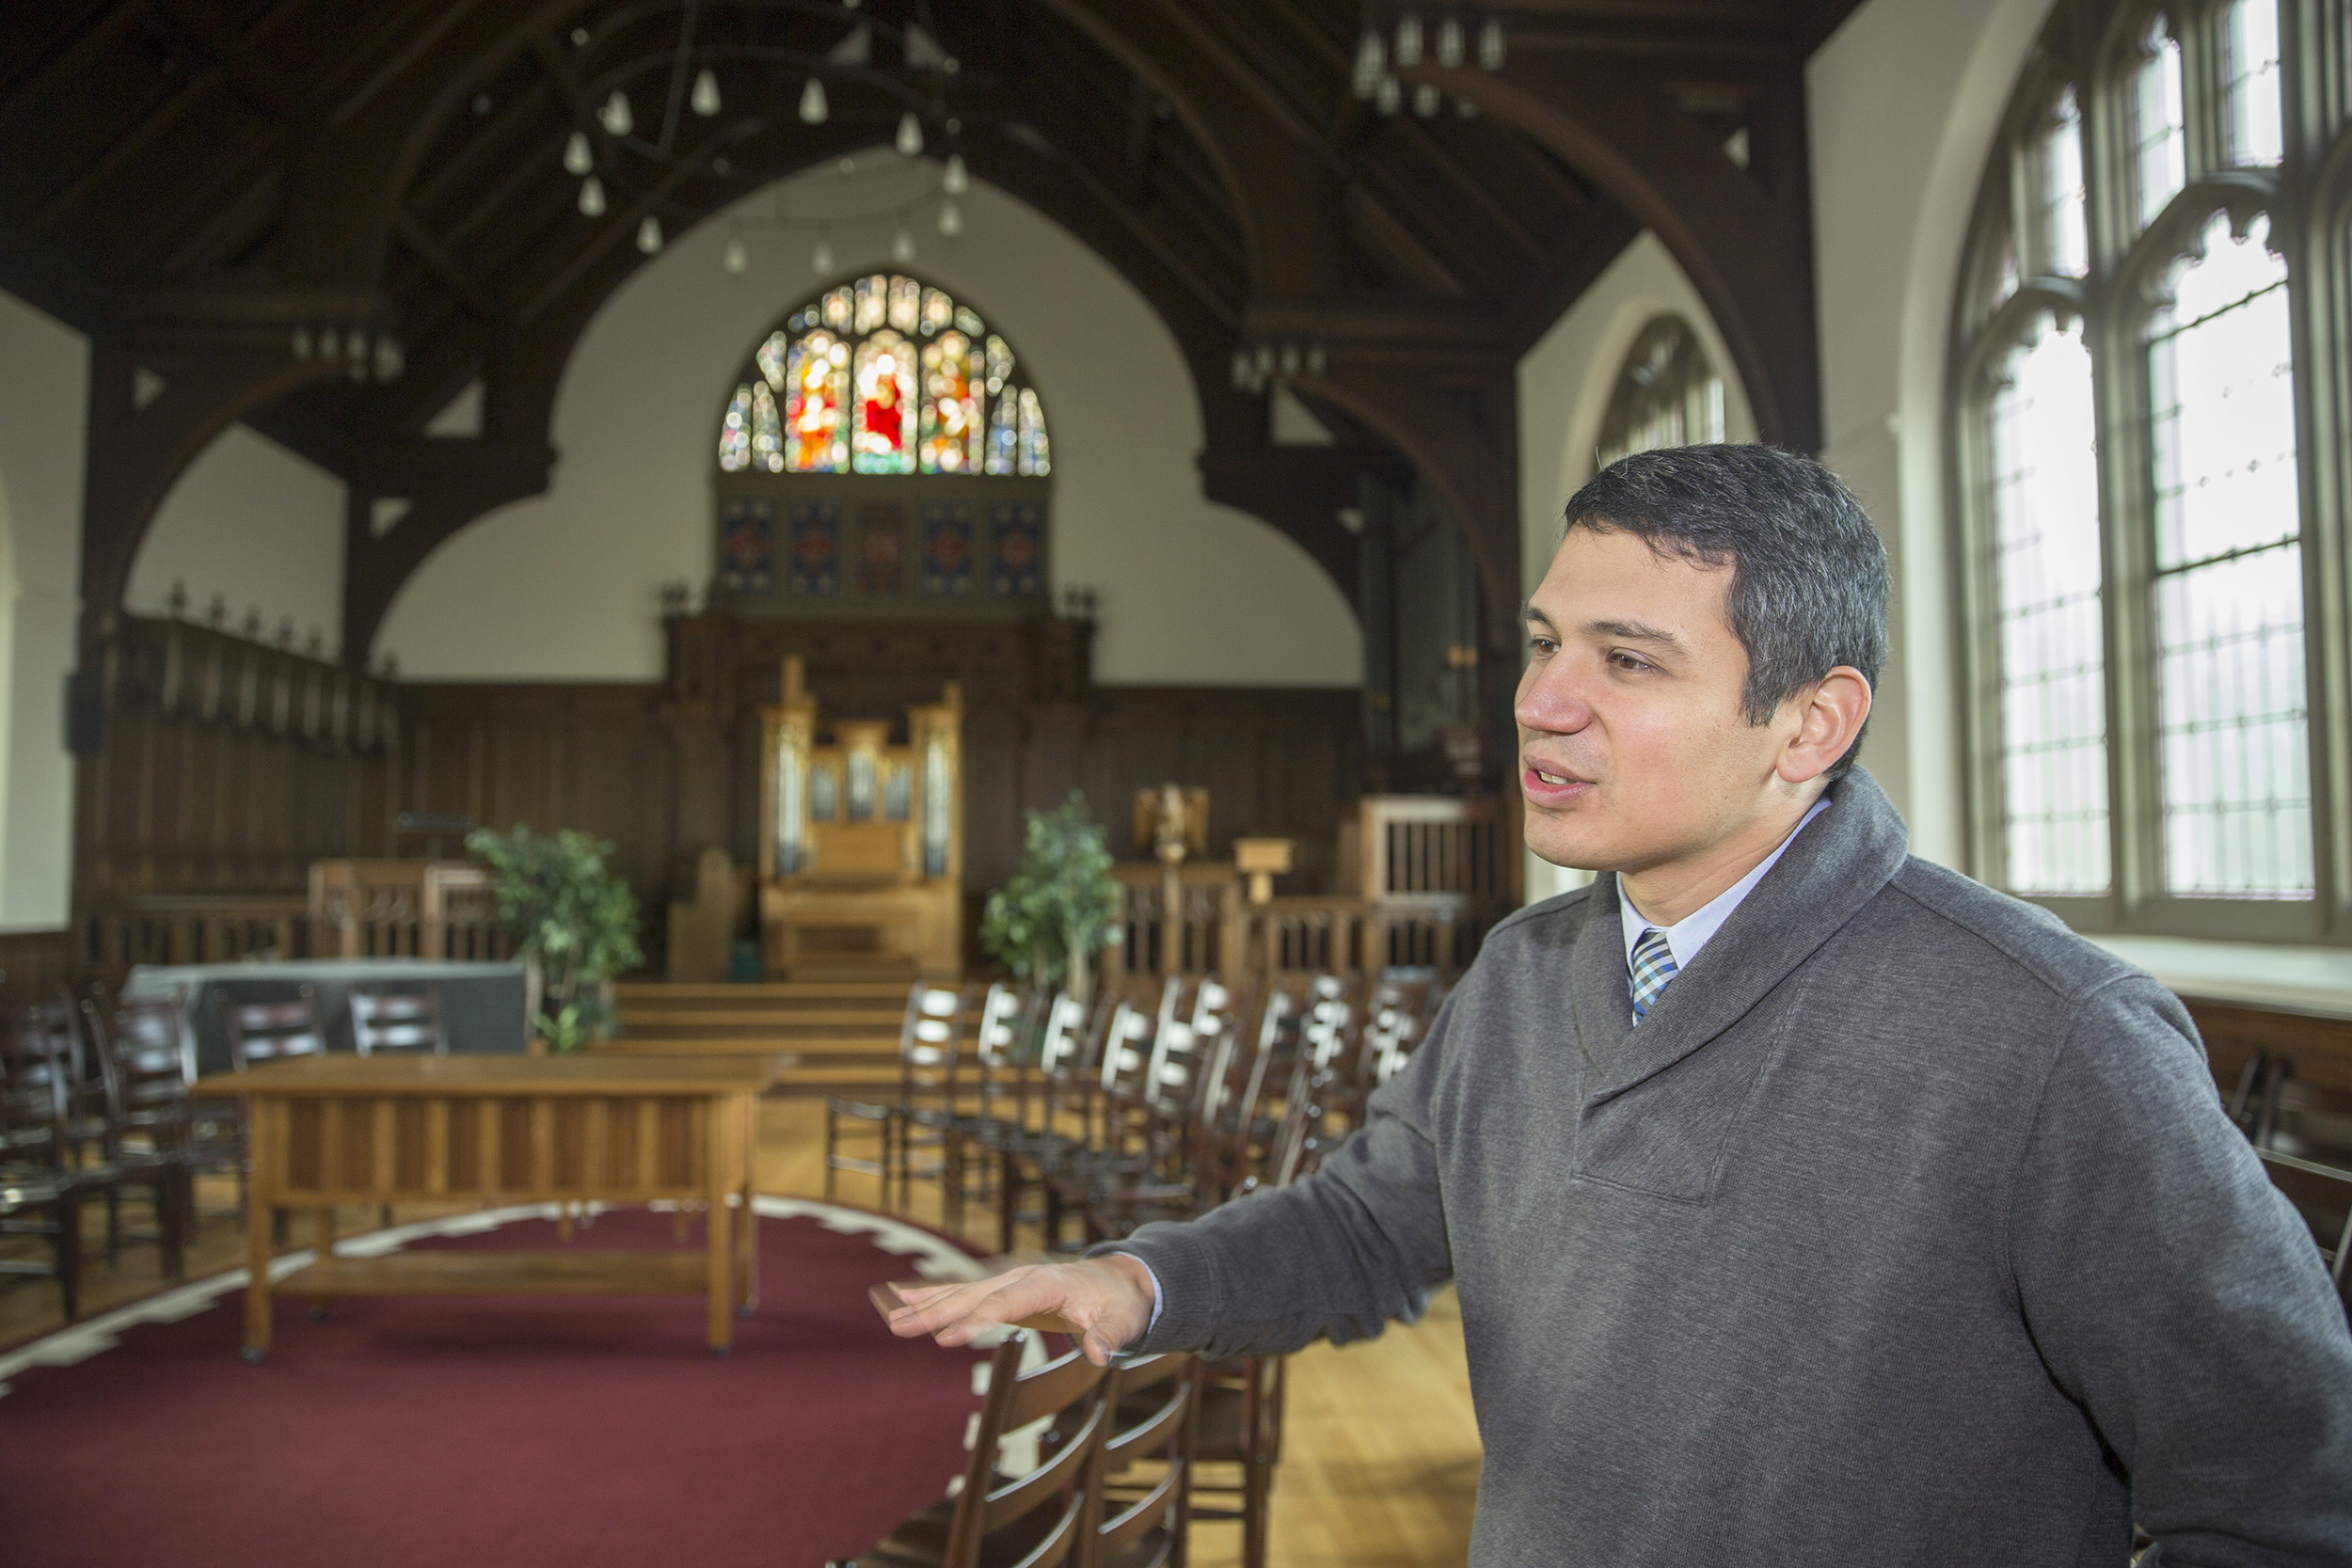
x=1653 y=966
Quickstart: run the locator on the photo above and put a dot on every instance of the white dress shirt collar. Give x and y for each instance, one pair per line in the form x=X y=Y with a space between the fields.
x=1688 y=934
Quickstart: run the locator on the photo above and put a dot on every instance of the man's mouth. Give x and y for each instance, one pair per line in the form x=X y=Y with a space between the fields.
x=1556 y=779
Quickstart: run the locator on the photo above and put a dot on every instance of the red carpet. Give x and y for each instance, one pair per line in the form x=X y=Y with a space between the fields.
x=506 y=1431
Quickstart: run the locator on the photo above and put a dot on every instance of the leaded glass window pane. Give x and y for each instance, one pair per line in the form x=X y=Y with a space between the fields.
x=2257 y=117
x=735 y=434
x=886 y=400
x=2231 y=713
x=1667 y=394
x=2053 y=673
x=2159 y=124
x=2064 y=201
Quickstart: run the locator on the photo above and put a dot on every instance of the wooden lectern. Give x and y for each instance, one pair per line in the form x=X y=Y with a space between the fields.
x=860 y=843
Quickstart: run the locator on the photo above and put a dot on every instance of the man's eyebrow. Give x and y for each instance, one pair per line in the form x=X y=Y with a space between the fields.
x=1638 y=631
x=1530 y=612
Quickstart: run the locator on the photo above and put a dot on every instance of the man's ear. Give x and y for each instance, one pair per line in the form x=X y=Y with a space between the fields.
x=1830 y=716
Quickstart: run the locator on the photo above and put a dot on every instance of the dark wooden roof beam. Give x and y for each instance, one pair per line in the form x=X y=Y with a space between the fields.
x=445 y=267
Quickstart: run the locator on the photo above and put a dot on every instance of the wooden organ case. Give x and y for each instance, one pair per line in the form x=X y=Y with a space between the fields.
x=861 y=842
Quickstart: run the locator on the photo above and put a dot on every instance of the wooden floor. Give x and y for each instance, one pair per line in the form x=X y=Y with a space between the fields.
x=1380 y=1463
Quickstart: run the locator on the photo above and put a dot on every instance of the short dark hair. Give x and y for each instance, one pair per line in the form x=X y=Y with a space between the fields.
x=1808 y=572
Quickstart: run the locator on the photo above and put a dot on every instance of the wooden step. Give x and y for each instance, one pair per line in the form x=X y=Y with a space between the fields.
x=779 y=990
x=714 y=1020
x=634 y=1045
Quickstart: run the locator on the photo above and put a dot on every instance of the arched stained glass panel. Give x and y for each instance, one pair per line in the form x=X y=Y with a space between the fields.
x=885 y=394
x=2232 y=714
x=886 y=374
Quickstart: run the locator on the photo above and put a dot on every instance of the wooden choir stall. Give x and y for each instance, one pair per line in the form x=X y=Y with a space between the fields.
x=861 y=842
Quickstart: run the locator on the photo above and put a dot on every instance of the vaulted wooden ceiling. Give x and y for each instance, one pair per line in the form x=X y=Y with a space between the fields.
x=209 y=188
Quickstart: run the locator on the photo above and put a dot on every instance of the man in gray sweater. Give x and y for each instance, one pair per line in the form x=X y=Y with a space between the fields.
x=1810 y=1204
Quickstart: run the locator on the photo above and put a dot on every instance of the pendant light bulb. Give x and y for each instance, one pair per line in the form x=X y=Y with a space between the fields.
x=813 y=110
x=615 y=113
x=1372 y=63
x=958 y=179
x=578 y=158
x=649 y=234
x=1490 y=45
x=902 y=246
x=1390 y=97
x=592 y=198
x=738 y=259
x=951 y=218
x=1408 y=39
x=820 y=260
x=1426 y=101
x=910 y=134
x=1449 y=42
x=704 y=98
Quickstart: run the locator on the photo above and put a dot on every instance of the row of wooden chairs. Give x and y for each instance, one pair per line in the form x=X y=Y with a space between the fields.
x=97 y=1103
x=1110 y=1485
x=1146 y=1104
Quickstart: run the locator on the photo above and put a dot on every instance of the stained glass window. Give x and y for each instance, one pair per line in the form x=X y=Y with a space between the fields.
x=2159 y=122
x=2052 y=670
x=2237 y=764
x=885 y=375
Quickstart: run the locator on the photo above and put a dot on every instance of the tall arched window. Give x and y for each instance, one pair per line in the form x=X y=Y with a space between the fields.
x=2137 y=344
x=1667 y=394
x=883 y=454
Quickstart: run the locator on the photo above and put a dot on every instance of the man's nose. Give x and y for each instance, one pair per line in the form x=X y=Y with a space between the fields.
x=1552 y=697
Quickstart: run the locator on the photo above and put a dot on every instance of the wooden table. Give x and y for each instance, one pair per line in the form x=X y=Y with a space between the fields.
x=391 y=1129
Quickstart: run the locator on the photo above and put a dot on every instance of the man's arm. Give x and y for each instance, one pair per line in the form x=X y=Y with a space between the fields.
x=2176 y=1295
x=1334 y=1255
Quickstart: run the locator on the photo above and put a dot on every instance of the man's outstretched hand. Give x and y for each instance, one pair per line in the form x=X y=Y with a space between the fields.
x=1105 y=1302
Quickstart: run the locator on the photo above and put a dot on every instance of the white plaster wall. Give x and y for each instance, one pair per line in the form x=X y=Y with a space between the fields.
x=1565 y=381
x=256 y=524
x=1904 y=98
x=568 y=585
x=44 y=382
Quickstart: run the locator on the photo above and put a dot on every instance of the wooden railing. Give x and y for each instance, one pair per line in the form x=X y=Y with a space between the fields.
x=1207 y=937
x=383 y=909
x=195 y=929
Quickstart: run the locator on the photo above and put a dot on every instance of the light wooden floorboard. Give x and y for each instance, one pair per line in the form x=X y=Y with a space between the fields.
x=1380 y=1460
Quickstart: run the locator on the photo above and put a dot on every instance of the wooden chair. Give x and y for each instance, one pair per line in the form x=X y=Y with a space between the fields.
x=39 y=1198
x=387 y=1018
x=1156 y=1400
x=928 y=1040
x=1068 y=1049
x=1040 y=1519
x=273 y=1031
x=1003 y=1074
x=151 y=1135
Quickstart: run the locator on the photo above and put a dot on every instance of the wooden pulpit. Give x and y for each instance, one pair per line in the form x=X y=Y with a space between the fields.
x=861 y=846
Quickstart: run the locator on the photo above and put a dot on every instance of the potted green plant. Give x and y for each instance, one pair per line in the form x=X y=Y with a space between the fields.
x=573 y=922
x=1061 y=905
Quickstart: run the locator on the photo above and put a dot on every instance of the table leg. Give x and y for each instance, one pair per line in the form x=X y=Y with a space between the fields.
x=747 y=1260
x=259 y=1213
x=719 y=1129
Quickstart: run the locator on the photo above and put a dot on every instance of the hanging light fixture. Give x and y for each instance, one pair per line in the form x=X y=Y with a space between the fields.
x=958 y=179
x=578 y=156
x=738 y=259
x=1408 y=39
x=813 y=110
x=592 y=198
x=1426 y=101
x=704 y=98
x=951 y=218
x=910 y=134
x=1449 y=42
x=902 y=246
x=614 y=114
x=1371 y=63
x=820 y=260
x=1466 y=109
x=1490 y=45
x=1390 y=97
x=649 y=234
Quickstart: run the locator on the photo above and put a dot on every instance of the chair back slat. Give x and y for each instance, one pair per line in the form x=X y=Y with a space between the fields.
x=35 y=1068
x=1076 y=1395
x=1162 y=1430
x=273 y=1031
x=387 y=1019
x=931 y=1039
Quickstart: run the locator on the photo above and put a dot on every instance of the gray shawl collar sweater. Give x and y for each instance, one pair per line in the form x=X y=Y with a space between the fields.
x=1907 y=1229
